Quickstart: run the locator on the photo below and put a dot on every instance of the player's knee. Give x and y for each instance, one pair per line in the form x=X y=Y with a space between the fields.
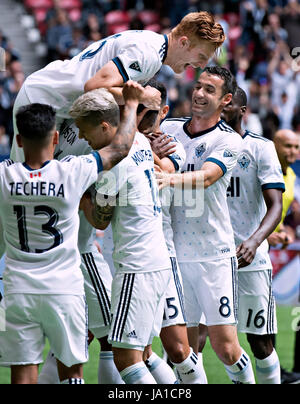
x=177 y=352
x=226 y=352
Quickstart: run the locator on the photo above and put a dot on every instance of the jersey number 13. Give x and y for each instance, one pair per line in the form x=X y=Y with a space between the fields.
x=49 y=227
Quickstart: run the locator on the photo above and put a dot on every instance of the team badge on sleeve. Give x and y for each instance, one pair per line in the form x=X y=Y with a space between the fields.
x=135 y=66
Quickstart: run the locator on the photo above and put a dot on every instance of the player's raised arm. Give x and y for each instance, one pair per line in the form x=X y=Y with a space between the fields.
x=110 y=77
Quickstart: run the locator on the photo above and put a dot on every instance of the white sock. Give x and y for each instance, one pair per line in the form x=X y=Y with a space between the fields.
x=241 y=372
x=189 y=371
x=73 y=380
x=137 y=374
x=268 y=370
x=203 y=374
x=107 y=371
x=49 y=372
x=160 y=370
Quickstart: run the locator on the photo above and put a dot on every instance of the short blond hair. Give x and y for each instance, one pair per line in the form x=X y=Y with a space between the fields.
x=96 y=106
x=200 y=26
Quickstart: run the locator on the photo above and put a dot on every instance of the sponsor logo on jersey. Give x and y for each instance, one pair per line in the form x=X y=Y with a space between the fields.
x=135 y=66
x=200 y=150
x=244 y=162
x=132 y=334
x=227 y=153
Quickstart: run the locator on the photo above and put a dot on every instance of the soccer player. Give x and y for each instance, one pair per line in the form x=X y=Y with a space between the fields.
x=44 y=293
x=287 y=147
x=97 y=275
x=174 y=331
x=135 y=55
x=205 y=244
x=255 y=206
x=141 y=258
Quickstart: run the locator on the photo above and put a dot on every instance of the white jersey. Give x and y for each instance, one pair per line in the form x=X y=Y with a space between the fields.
x=138 y=55
x=167 y=195
x=139 y=244
x=70 y=144
x=258 y=169
x=209 y=236
x=39 y=211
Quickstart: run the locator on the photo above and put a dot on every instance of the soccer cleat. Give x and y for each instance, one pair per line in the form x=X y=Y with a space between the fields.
x=289 y=377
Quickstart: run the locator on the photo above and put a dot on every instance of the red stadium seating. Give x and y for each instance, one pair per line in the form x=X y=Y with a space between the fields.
x=153 y=27
x=116 y=28
x=148 y=17
x=70 y=4
x=38 y=4
x=117 y=17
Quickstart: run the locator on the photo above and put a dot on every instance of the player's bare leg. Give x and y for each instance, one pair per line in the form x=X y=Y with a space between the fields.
x=160 y=370
x=266 y=358
x=224 y=341
x=184 y=357
x=70 y=375
x=107 y=371
x=176 y=343
x=24 y=374
x=131 y=366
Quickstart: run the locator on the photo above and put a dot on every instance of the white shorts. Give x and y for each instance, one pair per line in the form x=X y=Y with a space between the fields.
x=257 y=307
x=174 y=312
x=97 y=286
x=31 y=318
x=210 y=289
x=138 y=305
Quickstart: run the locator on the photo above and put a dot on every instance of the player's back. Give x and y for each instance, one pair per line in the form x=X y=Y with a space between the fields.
x=137 y=54
x=139 y=243
x=39 y=210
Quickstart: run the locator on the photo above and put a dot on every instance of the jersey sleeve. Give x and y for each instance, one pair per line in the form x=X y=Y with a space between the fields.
x=226 y=153
x=138 y=62
x=269 y=170
x=85 y=170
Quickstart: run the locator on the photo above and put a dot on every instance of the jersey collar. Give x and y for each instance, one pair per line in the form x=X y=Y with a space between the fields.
x=35 y=169
x=201 y=133
x=166 y=47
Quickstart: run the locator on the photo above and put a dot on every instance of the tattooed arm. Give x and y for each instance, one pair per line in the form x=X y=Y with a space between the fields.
x=98 y=216
x=119 y=148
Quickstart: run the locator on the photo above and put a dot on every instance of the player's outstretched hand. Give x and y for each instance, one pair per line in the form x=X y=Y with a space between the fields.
x=162 y=145
x=151 y=98
x=162 y=178
x=246 y=252
x=133 y=91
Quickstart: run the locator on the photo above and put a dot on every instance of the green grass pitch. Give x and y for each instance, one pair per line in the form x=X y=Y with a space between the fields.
x=214 y=368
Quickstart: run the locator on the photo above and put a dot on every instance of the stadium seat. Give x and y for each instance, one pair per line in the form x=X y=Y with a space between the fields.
x=117 y=17
x=40 y=14
x=153 y=27
x=116 y=28
x=148 y=17
x=34 y=4
x=70 y=4
x=75 y=14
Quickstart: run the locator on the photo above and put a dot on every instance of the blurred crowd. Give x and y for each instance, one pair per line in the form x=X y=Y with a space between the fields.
x=261 y=50
x=11 y=80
